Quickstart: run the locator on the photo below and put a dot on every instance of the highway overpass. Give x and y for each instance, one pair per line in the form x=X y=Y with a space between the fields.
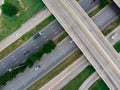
x=88 y=38
x=117 y=2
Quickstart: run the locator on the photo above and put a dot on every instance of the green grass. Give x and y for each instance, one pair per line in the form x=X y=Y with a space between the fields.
x=10 y=24
x=58 y=69
x=61 y=37
x=99 y=85
x=106 y=2
x=111 y=26
x=25 y=37
x=79 y=79
x=100 y=7
x=117 y=46
x=94 y=12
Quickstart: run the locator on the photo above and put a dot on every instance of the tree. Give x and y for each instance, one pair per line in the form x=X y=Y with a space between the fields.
x=9 y=9
x=48 y=47
x=29 y=63
x=105 y=2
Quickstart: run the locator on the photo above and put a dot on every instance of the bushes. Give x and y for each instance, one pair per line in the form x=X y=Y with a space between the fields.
x=10 y=75
x=106 y=2
x=117 y=46
x=9 y=9
x=47 y=48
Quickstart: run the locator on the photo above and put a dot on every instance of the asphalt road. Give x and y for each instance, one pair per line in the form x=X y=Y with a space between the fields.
x=62 y=83
x=17 y=56
x=67 y=75
x=25 y=48
x=15 y=81
x=47 y=62
x=116 y=38
x=106 y=16
x=58 y=82
x=88 y=38
x=26 y=27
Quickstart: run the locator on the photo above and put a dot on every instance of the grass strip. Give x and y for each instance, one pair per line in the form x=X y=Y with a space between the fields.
x=26 y=9
x=79 y=79
x=94 y=12
x=25 y=37
x=103 y=4
x=99 y=85
x=61 y=37
x=58 y=69
x=111 y=26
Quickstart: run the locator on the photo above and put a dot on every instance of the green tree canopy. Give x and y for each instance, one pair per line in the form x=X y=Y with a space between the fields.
x=9 y=9
x=105 y=2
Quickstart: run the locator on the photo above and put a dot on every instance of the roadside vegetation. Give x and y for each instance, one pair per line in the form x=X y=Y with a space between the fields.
x=94 y=12
x=111 y=27
x=100 y=7
x=106 y=2
x=99 y=85
x=47 y=48
x=58 y=69
x=79 y=79
x=117 y=46
x=61 y=37
x=25 y=9
x=25 y=37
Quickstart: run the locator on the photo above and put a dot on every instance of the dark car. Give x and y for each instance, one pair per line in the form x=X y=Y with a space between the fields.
x=25 y=53
x=36 y=35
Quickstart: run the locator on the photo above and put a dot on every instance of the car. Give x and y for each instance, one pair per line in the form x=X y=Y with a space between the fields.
x=71 y=41
x=10 y=70
x=15 y=35
x=36 y=35
x=37 y=67
x=114 y=35
x=25 y=53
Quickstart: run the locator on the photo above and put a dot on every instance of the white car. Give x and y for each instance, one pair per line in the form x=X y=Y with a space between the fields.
x=37 y=67
x=10 y=70
x=114 y=35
